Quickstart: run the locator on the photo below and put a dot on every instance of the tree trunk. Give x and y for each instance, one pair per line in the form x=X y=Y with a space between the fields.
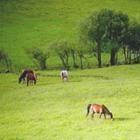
x=125 y=54
x=129 y=56
x=43 y=64
x=67 y=58
x=63 y=61
x=73 y=57
x=81 y=62
x=99 y=55
x=7 y=63
x=113 y=57
x=139 y=56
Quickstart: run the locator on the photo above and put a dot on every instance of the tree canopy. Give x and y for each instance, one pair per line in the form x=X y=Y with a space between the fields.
x=104 y=27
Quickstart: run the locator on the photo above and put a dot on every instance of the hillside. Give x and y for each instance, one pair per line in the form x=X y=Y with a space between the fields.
x=29 y=23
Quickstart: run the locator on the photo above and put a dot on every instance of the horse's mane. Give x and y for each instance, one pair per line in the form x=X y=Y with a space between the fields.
x=105 y=109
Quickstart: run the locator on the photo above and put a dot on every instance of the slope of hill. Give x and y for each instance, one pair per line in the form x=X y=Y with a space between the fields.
x=29 y=23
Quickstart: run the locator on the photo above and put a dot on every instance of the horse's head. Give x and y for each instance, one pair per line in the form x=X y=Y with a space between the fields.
x=111 y=116
x=21 y=78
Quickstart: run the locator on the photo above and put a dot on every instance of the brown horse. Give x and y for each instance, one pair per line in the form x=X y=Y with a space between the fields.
x=31 y=78
x=100 y=109
x=23 y=75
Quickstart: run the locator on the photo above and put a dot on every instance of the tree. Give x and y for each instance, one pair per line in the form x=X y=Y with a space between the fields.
x=133 y=42
x=92 y=34
x=4 y=58
x=40 y=56
x=81 y=50
x=106 y=26
x=73 y=49
x=62 y=49
x=116 y=29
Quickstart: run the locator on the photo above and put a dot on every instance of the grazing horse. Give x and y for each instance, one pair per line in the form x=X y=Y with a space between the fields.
x=100 y=109
x=31 y=78
x=23 y=75
x=64 y=75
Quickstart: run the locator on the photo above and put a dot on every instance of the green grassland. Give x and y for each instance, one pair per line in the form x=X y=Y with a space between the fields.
x=37 y=23
x=53 y=110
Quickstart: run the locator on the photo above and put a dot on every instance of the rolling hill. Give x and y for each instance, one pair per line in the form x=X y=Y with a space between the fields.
x=37 y=23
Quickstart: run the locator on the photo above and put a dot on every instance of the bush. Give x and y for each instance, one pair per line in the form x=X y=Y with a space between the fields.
x=39 y=56
x=5 y=60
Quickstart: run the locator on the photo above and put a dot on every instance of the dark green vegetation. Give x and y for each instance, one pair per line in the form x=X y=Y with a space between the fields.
x=4 y=59
x=53 y=110
x=110 y=31
x=104 y=31
x=39 y=56
x=29 y=23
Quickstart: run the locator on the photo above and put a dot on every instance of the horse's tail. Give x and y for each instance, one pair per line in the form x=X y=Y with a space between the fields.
x=88 y=109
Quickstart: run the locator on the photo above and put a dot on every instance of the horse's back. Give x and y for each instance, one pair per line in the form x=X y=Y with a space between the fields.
x=31 y=76
x=64 y=75
x=96 y=108
x=25 y=72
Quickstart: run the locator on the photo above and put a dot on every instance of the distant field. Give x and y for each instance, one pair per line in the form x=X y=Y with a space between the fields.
x=53 y=110
x=29 y=23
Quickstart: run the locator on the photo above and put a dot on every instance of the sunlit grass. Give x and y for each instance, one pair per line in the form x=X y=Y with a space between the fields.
x=55 y=110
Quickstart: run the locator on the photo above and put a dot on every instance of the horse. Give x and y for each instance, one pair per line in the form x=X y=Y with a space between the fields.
x=23 y=75
x=31 y=78
x=64 y=75
x=99 y=109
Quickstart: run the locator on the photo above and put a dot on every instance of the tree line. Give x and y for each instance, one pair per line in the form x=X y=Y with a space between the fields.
x=110 y=31
x=106 y=31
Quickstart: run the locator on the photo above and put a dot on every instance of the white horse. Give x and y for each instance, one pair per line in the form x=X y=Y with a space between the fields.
x=64 y=75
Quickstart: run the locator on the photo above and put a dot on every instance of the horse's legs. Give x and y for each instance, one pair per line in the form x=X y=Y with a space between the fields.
x=100 y=115
x=104 y=116
x=92 y=115
x=34 y=81
x=27 y=82
x=23 y=80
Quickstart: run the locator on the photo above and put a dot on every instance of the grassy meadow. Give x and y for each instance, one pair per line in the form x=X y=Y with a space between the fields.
x=53 y=110
x=37 y=23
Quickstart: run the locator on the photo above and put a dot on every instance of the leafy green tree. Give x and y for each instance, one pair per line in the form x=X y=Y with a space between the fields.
x=40 y=56
x=73 y=49
x=116 y=29
x=81 y=51
x=106 y=26
x=132 y=42
x=92 y=34
x=4 y=59
x=62 y=49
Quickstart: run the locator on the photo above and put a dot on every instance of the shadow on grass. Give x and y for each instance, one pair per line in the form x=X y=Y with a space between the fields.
x=122 y=119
